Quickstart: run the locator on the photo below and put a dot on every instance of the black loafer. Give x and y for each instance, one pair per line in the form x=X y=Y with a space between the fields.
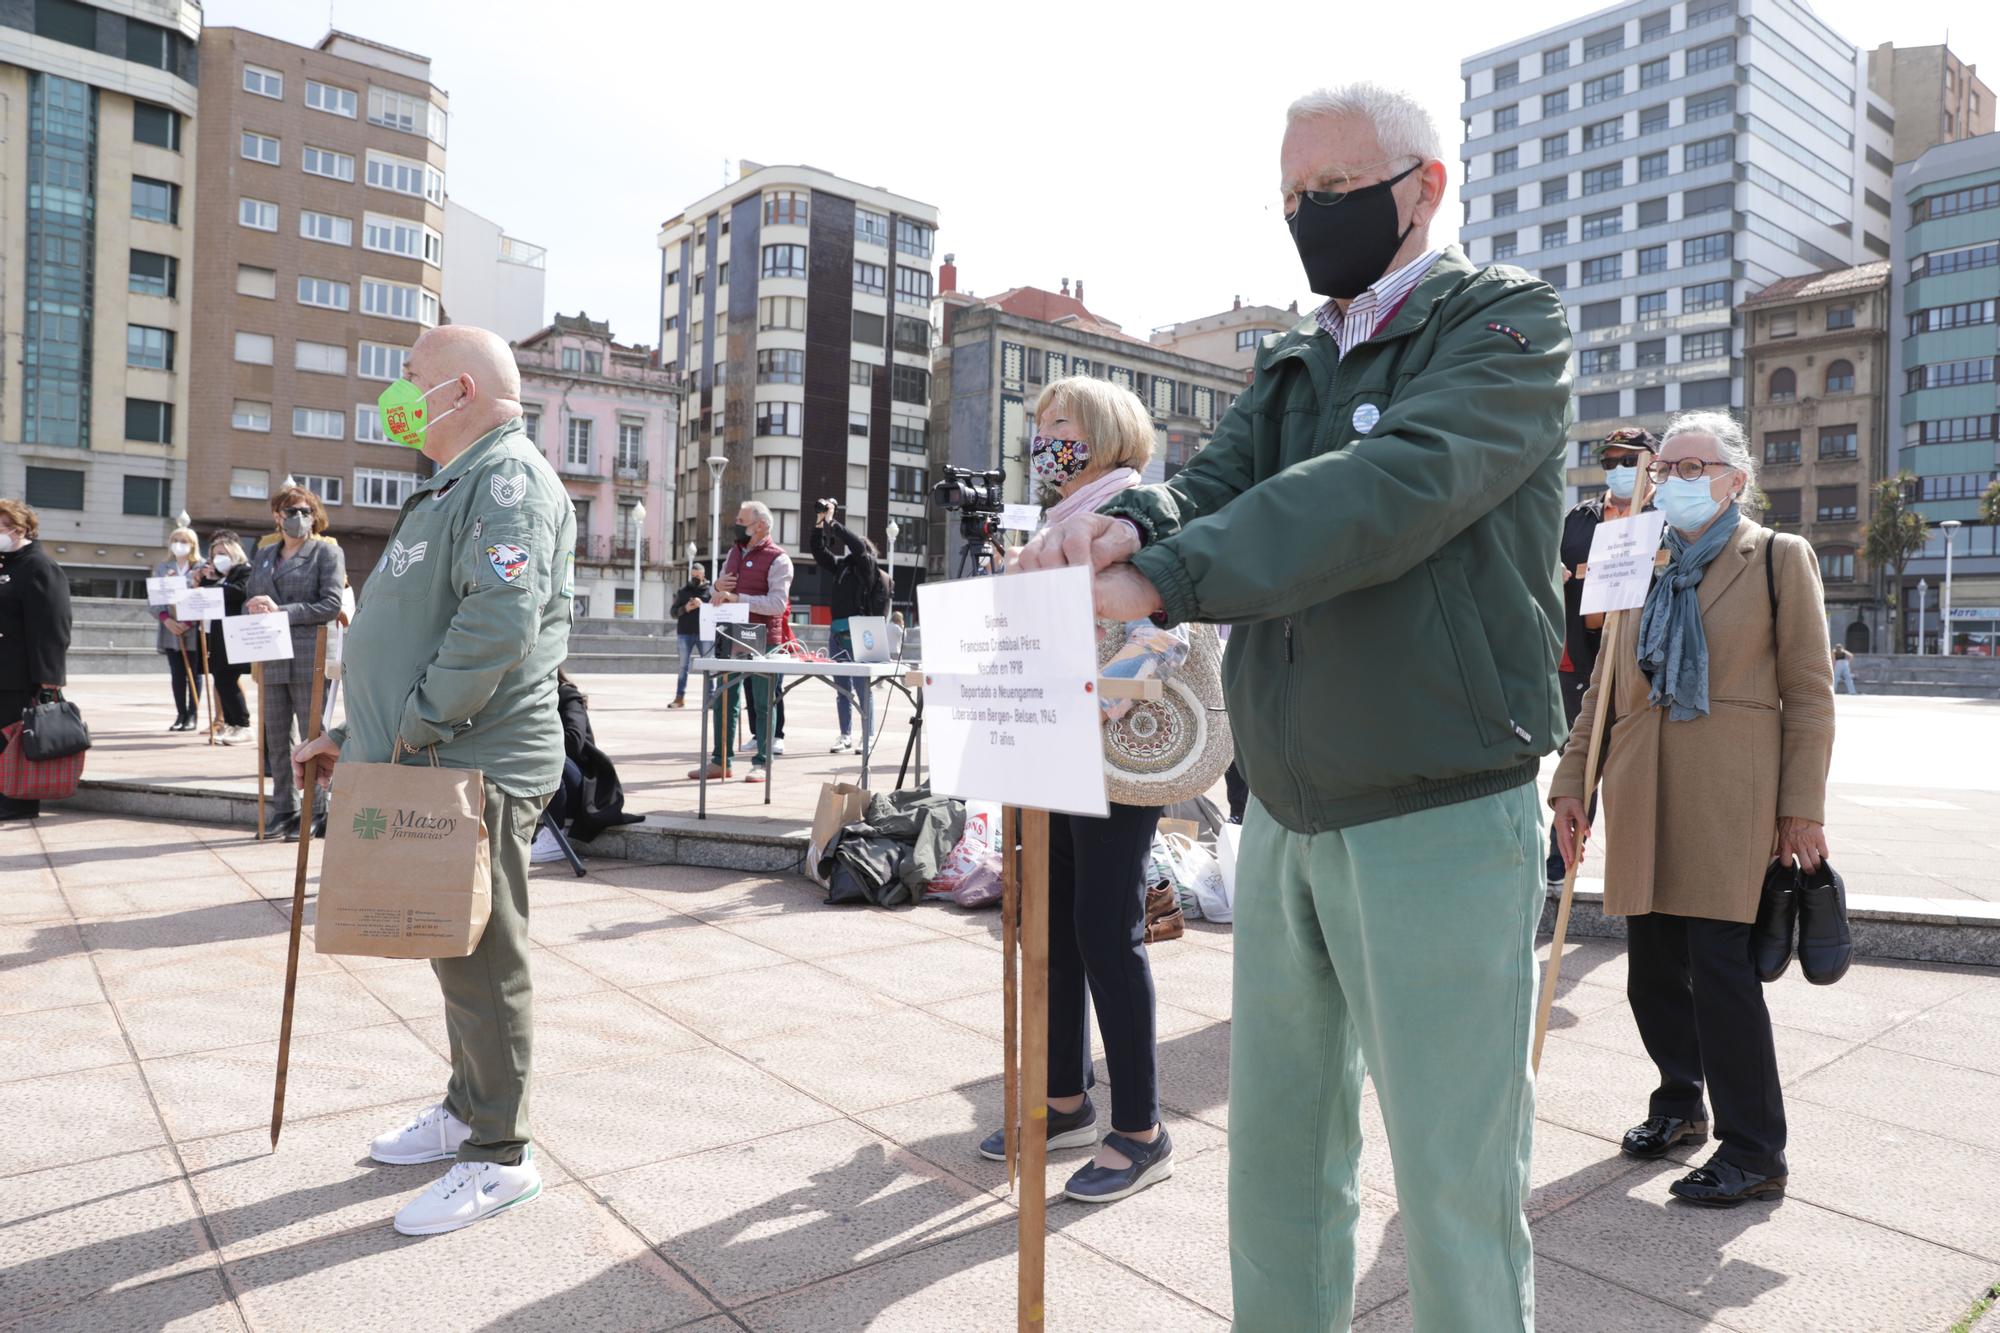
x=319 y=825
x=1777 y=922
x=1067 y=1129
x=1660 y=1133
x=1826 y=946
x=285 y=826
x=1150 y=1164
x=1723 y=1184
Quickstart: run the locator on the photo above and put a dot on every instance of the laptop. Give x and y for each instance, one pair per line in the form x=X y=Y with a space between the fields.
x=870 y=636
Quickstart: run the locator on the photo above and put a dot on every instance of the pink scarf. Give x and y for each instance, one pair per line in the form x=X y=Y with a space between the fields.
x=1088 y=498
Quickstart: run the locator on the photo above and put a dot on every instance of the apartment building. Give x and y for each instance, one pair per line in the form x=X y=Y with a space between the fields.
x=492 y=280
x=797 y=309
x=1657 y=163
x=97 y=198
x=1938 y=97
x=607 y=417
x=1816 y=350
x=1944 y=405
x=999 y=353
x=1229 y=338
x=321 y=216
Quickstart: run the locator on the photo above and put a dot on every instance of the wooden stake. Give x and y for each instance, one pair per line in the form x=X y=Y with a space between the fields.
x=310 y=787
x=257 y=674
x=1010 y=903
x=207 y=680
x=1034 y=1064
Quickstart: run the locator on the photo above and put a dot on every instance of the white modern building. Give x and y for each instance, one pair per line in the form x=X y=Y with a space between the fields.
x=492 y=280
x=1658 y=163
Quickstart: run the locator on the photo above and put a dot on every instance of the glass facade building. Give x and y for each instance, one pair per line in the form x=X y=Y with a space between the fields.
x=61 y=218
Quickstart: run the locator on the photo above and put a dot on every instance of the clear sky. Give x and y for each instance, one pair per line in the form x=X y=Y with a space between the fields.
x=1132 y=146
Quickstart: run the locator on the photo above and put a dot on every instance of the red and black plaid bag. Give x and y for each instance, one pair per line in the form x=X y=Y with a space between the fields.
x=25 y=779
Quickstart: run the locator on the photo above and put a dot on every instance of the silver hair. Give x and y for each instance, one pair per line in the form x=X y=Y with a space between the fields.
x=1730 y=442
x=1402 y=126
x=760 y=509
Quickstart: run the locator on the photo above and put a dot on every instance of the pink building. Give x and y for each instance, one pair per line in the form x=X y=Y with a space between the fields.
x=603 y=414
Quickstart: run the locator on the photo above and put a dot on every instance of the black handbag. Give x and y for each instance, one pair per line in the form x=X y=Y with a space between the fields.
x=52 y=728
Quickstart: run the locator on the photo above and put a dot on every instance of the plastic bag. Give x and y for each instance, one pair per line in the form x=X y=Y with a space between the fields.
x=981 y=887
x=978 y=848
x=1196 y=868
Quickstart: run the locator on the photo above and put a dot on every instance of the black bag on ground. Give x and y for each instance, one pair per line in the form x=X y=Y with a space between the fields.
x=52 y=728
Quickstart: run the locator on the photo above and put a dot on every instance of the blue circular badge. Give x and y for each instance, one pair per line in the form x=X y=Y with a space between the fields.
x=1365 y=417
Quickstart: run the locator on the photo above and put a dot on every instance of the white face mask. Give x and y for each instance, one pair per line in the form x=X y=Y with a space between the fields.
x=223 y=564
x=180 y=550
x=8 y=542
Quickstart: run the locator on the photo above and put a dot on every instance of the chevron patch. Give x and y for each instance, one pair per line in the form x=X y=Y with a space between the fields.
x=509 y=491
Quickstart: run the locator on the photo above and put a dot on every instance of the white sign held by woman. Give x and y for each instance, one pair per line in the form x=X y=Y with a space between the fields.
x=199 y=604
x=259 y=638
x=162 y=590
x=1622 y=553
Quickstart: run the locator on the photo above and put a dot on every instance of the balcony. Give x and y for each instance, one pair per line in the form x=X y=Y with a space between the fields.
x=633 y=469
x=603 y=549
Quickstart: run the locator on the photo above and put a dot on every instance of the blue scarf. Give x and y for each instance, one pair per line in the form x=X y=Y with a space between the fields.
x=1673 y=647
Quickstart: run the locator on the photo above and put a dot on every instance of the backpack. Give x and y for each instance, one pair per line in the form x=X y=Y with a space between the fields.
x=884 y=594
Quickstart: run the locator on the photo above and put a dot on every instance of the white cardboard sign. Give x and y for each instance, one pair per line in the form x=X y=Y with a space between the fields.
x=199 y=604
x=729 y=613
x=161 y=591
x=1021 y=518
x=1621 y=562
x=1010 y=690
x=266 y=637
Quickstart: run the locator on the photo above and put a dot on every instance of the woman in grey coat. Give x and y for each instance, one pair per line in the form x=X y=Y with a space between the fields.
x=178 y=640
x=300 y=573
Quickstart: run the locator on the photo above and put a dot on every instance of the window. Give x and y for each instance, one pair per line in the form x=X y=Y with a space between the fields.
x=1955 y=261
x=1506 y=117
x=572 y=359
x=1596 y=406
x=394 y=110
x=908 y=434
x=379 y=361
x=1782 y=506
x=1784 y=386
x=1958 y=201
x=786 y=208
x=1955 y=430
x=1655 y=26
x=913 y=285
x=1507 y=159
x=1652 y=166
x=155 y=201
x=1605 y=268
x=1597 y=360
x=909 y=384
x=260 y=148
x=577 y=442
x=1962 y=315
x=326 y=227
x=777 y=365
x=399 y=175
x=1555 y=147
x=1554 y=234
x=1781 y=446
x=873 y=279
x=1961 y=486
x=1604 y=133
x=1704 y=249
x=1839 y=441
x=54 y=488
x=1655 y=72
x=1651 y=305
x=1649 y=401
x=1600 y=315
x=149 y=421
x=1652 y=212
x=1840 y=317
x=397 y=236
x=1013 y=361
x=1836 y=504
x=1718 y=103
x=1653 y=119
x=1506 y=76
x=1055 y=364
x=1699 y=14
x=156 y=125
x=146 y=496
x=1604 y=43
x=1604 y=89
x=870 y=227
x=334 y=101
x=857 y=425
x=1711 y=56
x=780 y=418
x=1555 y=103
x=789 y=312
x=1505 y=246
x=246 y=415
x=1705 y=296
x=631 y=444
x=1600 y=179
x=1950 y=374
x=263 y=82
x=149 y=348
x=328 y=489
x=397 y=300
x=1708 y=199
x=1608 y=223
x=319 y=358
x=249 y=483
x=1704 y=346
x=254 y=349
x=368 y=425
x=1840 y=377
x=326 y=162
x=784 y=261
x=317 y=424
x=152 y=275
x=1555 y=58
x=257 y=214
x=913 y=238
x=1556 y=276
x=323 y=292
x=531 y=426
x=377 y=489
x=1653 y=352
x=1506 y=203
x=1706 y=393
x=1708 y=152
x=1836 y=564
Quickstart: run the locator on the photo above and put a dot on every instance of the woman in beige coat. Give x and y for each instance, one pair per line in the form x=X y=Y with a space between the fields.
x=1721 y=729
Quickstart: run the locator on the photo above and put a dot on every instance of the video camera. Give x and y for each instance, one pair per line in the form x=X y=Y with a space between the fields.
x=976 y=498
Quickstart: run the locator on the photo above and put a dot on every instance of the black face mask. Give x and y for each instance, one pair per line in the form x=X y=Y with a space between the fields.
x=1347 y=246
x=742 y=535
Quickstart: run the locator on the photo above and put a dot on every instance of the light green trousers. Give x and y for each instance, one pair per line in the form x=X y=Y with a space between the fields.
x=489 y=999
x=1406 y=947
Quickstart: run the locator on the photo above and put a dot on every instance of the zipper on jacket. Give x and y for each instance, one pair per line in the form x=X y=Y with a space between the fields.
x=1288 y=638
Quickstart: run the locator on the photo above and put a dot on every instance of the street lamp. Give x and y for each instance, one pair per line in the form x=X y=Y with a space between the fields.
x=638 y=555
x=692 y=551
x=716 y=462
x=1923 y=601
x=1951 y=527
x=892 y=530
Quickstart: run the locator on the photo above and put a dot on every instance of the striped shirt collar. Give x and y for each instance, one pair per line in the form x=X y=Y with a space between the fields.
x=1367 y=313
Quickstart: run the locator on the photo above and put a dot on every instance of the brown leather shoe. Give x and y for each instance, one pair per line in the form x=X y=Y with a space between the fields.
x=714 y=773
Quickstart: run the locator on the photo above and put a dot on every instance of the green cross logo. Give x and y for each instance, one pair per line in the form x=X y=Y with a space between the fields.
x=370 y=823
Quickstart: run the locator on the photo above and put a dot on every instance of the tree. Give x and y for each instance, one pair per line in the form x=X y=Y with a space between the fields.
x=1989 y=505
x=1896 y=534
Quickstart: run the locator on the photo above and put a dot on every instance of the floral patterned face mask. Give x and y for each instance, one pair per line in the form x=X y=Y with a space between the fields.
x=1056 y=462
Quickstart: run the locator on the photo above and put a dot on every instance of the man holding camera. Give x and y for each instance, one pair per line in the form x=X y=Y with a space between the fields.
x=758 y=573
x=858 y=590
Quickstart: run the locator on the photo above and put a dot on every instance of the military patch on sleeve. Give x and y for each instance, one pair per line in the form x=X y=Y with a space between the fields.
x=1520 y=338
x=508 y=491
x=509 y=561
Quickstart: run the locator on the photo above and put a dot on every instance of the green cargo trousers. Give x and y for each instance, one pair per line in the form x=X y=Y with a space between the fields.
x=1405 y=947
x=725 y=710
x=489 y=998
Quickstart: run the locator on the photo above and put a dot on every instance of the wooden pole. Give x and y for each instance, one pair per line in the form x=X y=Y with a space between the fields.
x=1010 y=904
x=1034 y=1066
x=207 y=680
x=257 y=674
x=310 y=786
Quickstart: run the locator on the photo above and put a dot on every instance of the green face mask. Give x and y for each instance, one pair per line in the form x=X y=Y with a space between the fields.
x=405 y=416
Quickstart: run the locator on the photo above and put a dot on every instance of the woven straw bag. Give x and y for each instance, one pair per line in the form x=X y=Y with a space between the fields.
x=1176 y=747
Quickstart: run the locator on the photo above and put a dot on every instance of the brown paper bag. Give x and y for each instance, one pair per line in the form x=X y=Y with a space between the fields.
x=406 y=871
x=1187 y=826
x=840 y=804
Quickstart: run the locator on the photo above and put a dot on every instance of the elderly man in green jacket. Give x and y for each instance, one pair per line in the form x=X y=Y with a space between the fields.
x=1378 y=518
x=452 y=657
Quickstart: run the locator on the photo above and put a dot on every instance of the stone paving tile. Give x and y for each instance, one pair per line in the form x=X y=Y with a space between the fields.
x=944 y=1285
x=200 y=949
x=147 y=896
x=925 y=973
x=75 y=1117
x=1907 y=1090
x=664 y=949
x=987 y=1015
x=567 y=1263
x=599 y=1029
x=1953 y=1035
x=1868 y=1001
x=1193 y=978
x=410 y=988
x=628 y=1115
x=736 y=1007
x=699 y=889
x=1741 y=1264
x=192 y=1303
x=1193 y=1073
x=76 y=1230
x=45 y=967
x=319 y=1183
x=1920 y=1183
x=758 y=1218
x=218 y=1091
x=1567 y=1300
x=813 y=931
x=329 y=1001
x=1799 y=1052
x=842 y=1064
x=56 y=1041
x=28 y=894
x=1597 y=1092
x=167 y=858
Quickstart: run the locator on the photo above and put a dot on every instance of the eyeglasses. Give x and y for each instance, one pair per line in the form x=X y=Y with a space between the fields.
x=1687 y=469
x=1332 y=198
x=297 y=511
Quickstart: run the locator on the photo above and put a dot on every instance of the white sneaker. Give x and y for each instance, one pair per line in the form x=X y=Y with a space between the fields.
x=432 y=1137
x=546 y=847
x=467 y=1193
x=778 y=746
x=845 y=745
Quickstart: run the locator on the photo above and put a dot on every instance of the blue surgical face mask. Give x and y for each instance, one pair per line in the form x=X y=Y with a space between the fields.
x=1688 y=505
x=1620 y=481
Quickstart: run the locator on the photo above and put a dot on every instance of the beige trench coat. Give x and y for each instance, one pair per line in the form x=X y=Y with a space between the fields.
x=1691 y=808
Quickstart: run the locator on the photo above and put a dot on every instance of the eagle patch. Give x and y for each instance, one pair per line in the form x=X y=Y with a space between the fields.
x=509 y=491
x=1520 y=338
x=509 y=561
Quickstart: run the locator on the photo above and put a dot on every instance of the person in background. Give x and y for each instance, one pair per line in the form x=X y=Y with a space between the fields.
x=299 y=571
x=591 y=798
x=1619 y=454
x=1723 y=703
x=180 y=642
x=687 y=626
x=229 y=570
x=858 y=590
x=1843 y=669
x=1092 y=440
x=758 y=573
x=34 y=626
